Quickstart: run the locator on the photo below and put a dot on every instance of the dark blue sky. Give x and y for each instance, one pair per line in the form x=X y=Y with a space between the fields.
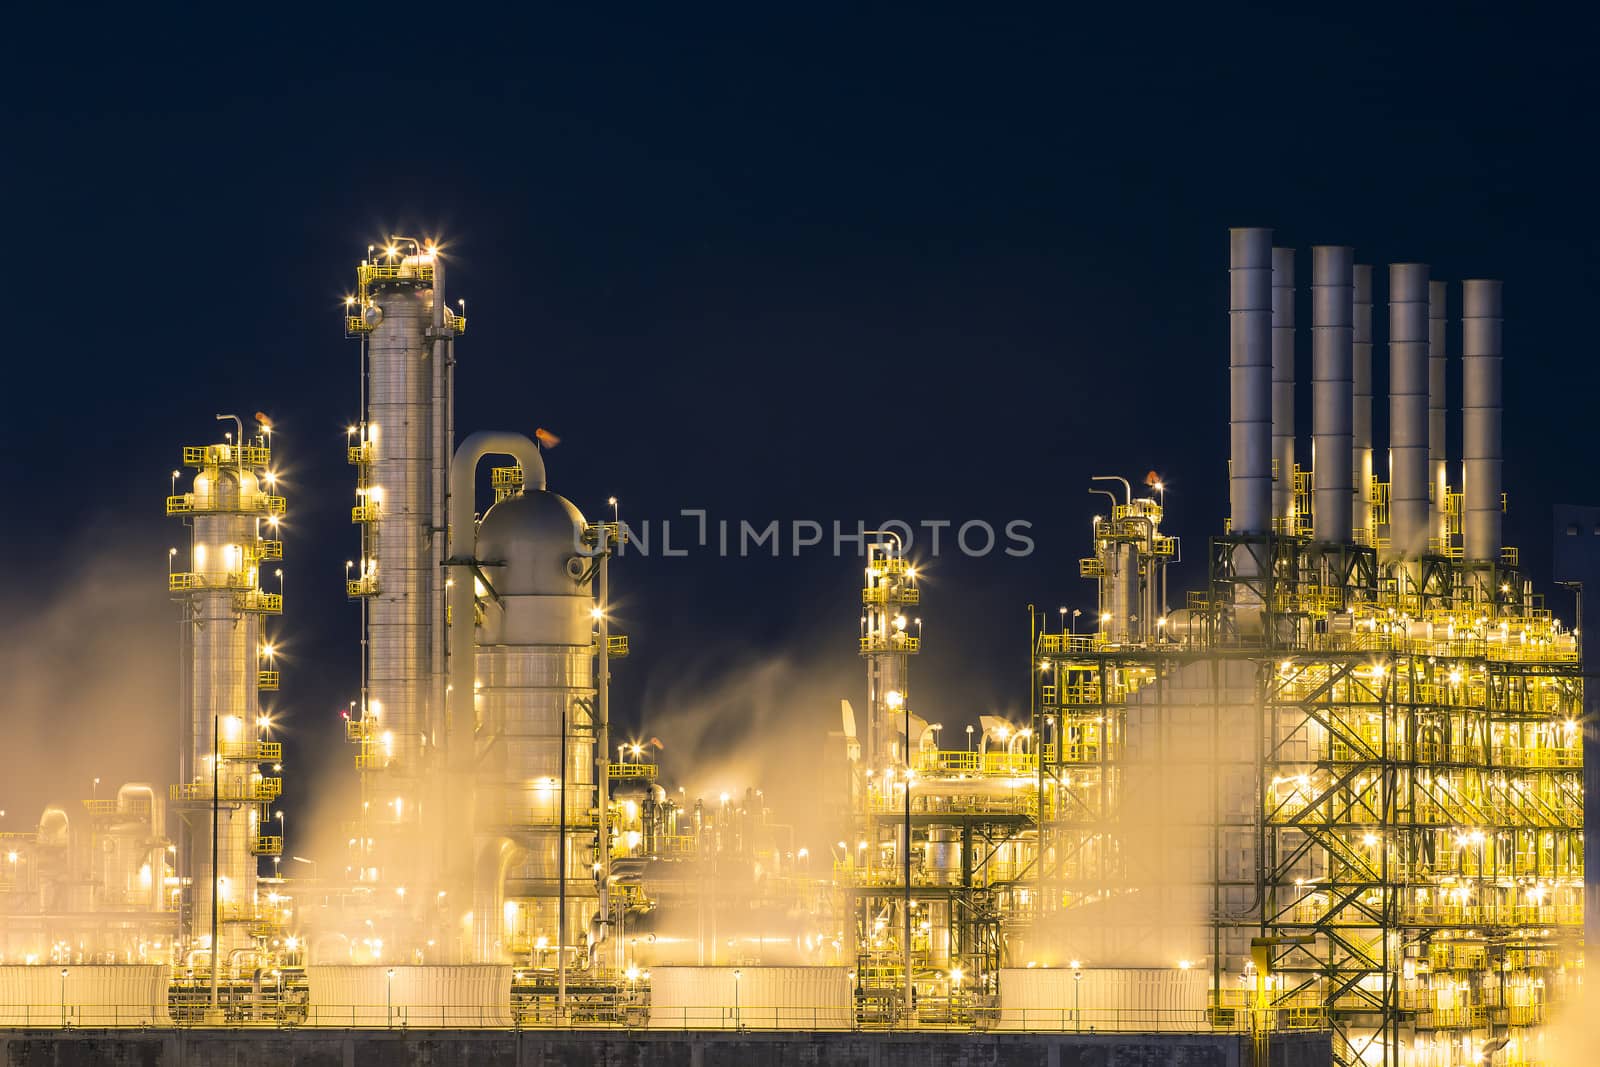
x=860 y=264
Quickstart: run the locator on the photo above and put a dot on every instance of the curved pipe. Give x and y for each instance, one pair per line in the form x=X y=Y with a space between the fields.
x=489 y=898
x=462 y=636
x=158 y=831
x=1127 y=490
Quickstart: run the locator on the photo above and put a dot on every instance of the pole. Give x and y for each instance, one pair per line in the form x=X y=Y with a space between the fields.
x=910 y=986
x=63 y=998
x=561 y=879
x=602 y=751
x=216 y=776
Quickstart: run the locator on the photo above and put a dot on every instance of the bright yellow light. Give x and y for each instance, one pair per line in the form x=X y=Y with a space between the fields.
x=596 y=613
x=899 y=622
x=956 y=974
x=894 y=698
x=632 y=973
x=911 y=572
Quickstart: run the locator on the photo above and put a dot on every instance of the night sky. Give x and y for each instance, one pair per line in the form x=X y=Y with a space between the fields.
x=865 y=264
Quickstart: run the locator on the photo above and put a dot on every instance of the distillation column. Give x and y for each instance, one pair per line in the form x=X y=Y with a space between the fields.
x=232 y=512
x=539 y=790
x=402 y=457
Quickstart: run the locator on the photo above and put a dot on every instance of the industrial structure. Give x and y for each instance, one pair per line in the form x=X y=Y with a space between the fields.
x=1339 y=786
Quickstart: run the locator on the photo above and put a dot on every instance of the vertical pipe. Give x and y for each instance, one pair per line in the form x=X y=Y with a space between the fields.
x=1438 y=475
x=1250 y=379
x=1283 y=389
x=1481 y=363
x=1361 y=400
x=1408 y=410
x=1331 y=394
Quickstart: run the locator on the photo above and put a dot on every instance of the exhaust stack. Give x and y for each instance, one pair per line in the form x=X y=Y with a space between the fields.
x=1283 y=517
x=1361 y=401
x=1408 y=410
x=1250 y=379
x=1331 y=395
x=1481 y=363
x=1438 y=476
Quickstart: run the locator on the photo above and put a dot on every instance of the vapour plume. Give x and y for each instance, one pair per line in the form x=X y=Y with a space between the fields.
x=730 y=724
x=90 y=666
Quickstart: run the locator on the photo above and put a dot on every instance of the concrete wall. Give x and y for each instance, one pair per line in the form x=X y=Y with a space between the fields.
x=307 y=1048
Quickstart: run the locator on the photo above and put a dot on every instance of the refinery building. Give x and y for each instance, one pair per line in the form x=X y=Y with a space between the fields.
x=1331 y=792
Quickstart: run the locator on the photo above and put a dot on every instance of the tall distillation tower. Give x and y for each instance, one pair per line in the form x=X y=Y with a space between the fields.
x=401 y=451
x=232 y=511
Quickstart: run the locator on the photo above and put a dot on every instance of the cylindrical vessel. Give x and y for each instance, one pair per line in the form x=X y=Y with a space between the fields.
x=1332 y=398
x=1438 y=464
x=535 y=706
x=1250 y=379
x=1283 y=389
x=1361 y=401
x=400 y=435
x=1408 y=410
x=1481 y=411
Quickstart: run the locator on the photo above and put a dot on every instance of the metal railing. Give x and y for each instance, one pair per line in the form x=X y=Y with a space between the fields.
x=959 y=1013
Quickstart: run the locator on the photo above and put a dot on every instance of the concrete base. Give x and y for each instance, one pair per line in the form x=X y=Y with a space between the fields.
x=263 y=1047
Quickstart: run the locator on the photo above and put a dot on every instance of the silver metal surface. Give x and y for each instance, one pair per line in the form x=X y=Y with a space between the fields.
x=1408 y=410
x=1283 y=387
x=1481 y=363
x=1331 y=397
x=1438 y=461
x=1250 y=379
x=1361 y=403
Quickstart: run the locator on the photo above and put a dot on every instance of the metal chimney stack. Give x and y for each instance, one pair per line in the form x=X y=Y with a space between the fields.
x=1408 y=410
x=1481 y=409
x=1438 y=475
x=1250 y=379
x=1331 y=393
x=1361 y=401
x=1283 y=389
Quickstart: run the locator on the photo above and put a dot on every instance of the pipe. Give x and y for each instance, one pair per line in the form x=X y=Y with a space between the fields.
x=1408 y=410
x=1481 y=363
x=1283 y=389
x=157 y=853
x=1250 y=379
x=462 y=532
x=488 y=897
x=1438 y=476
x=1332 y=398
x=1361 y=397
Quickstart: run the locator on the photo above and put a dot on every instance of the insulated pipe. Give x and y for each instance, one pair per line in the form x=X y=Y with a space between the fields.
x=1408 y=410
x=462 y=636
x=1283 y=389
x=1250 y=379
x=1481 y=364
x=1438 y=476
x=1332 y=399
x=1361 y=400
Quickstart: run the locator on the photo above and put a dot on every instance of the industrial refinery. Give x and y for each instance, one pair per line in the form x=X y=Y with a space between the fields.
x=1333 y=789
